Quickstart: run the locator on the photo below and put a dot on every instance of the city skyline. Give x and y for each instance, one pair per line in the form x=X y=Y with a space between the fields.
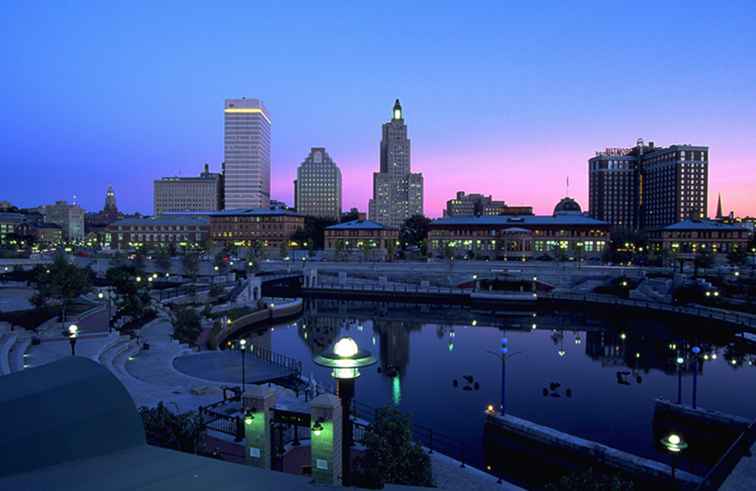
x=498 y=123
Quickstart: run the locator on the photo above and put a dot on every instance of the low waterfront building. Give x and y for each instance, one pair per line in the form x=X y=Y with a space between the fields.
x=478 y=204
x=9 y=225
x=157 y=231
x=272 y=228
x=203 y=193
x=47 y=233
x=567 y=233
x=69 y=217
x=700 y=235
x=365 y=237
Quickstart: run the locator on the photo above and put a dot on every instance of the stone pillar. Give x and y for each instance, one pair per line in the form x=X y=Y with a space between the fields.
x=342 y=277
x=259 y=400
x=325 y=447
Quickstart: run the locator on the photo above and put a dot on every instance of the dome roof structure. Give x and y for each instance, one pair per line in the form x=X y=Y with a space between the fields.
x=567 y=206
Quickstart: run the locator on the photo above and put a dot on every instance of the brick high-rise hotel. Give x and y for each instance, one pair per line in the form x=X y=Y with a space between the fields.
x=648 y=187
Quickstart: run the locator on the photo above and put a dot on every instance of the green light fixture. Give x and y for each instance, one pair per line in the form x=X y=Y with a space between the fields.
x=249 y=416
x=317 y=427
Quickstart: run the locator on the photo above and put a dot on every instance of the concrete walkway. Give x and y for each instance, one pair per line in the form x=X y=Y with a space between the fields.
x=226 y=367
x=743 y=477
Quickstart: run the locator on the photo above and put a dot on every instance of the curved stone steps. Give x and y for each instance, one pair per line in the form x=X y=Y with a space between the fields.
x=107 y=356
x=112 y=339
x=7 y=340
x=18 y=352
x=120 y=361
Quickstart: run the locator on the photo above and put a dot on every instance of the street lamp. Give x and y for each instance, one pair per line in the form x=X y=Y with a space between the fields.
x=674 y=445
x=345 y=359
x=102 y=296
x=696 y=351
x=243 y=345
x=679 y=361
x=72 y=333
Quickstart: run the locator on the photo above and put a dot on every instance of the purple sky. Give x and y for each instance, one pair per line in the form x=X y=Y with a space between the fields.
x=501 y=100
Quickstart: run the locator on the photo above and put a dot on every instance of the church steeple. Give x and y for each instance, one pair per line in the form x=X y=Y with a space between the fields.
x=719 y=207
x=397 y=110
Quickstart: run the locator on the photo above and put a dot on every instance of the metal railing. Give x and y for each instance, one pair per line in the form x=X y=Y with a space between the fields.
x=721 y=470
x=392 y=288
x=698 y=311
x=222 y=423
x=264 y=354
x=186 y=290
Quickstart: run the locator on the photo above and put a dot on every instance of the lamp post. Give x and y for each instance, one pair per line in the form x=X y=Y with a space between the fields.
x=72 y=332
x=674 y=445
x=696 y=350
x=107 y=296
x=243 y=345
x=679 y=361
x=345 y=359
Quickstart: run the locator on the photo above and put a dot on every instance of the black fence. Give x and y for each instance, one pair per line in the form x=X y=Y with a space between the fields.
x=291 y=364
x=222 y=423
x=740 y=448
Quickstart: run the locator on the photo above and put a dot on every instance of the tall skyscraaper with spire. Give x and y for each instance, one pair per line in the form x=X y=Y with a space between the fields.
x=397 y=192
x=246 y=149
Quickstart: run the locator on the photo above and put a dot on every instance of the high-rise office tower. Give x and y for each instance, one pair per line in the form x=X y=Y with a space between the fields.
x=397 y=192
x=647 y=187
x=246 y=149
x=317 y=189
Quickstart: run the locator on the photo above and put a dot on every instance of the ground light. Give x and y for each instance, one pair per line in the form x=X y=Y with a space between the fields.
x=317 y=427
x=249 y=416
x=674 y=445
x=345 y=359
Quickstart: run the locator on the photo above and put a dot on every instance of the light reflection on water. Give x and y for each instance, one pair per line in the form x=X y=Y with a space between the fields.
x=593 y=378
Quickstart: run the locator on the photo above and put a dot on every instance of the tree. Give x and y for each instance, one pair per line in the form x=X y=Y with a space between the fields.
x=283 y=249
x=391 y=456
x=340 y=249
x=350 y=216
x=414 y=231
x=139 y=259
x=314 y=231
x=190 y=263
x=449 y=253
x=390 y=249
x=187 y=326
x=737 y=257
x=220 y=261
x=162 y=428
x=163 y=260
x=703 y=260
x=60 y=281
x=216 y=290
x=365 y=248
x=253 y=256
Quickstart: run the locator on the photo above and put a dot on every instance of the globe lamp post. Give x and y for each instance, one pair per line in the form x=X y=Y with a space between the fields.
x=242 y=348
x=72 y=332
x=674 y=445
x=345 y=359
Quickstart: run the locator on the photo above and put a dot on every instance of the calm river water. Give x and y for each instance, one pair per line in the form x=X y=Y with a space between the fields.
x=595 y=376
